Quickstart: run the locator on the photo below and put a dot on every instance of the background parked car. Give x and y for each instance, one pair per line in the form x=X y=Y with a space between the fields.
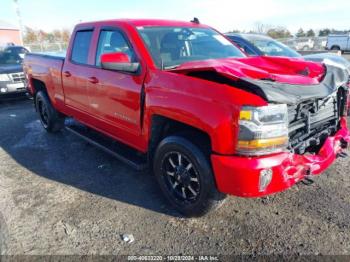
x=305 y=44
x=19 y=50
x=12 y=79
x=338 y=42
x=320 y=43
x=292 y=43
x=262 y=45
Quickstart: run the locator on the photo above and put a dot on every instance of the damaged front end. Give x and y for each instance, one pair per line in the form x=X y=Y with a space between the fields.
x=298 y=134
x=314 y=109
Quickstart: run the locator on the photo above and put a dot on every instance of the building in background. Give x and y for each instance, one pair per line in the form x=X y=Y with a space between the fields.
x=9 y=34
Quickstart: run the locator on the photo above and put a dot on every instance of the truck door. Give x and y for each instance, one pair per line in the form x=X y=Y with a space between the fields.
x=76 y=71
x=115 y=96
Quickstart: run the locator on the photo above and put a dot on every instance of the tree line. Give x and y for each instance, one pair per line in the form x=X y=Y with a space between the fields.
x=62 y=36
x=32 y=36
x=322 y=32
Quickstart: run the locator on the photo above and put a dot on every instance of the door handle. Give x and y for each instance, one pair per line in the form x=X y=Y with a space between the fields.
x=67 y=74
x=93 y=80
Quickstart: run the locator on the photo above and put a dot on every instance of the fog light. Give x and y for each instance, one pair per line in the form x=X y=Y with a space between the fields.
x=3 y=90
x=265 y=179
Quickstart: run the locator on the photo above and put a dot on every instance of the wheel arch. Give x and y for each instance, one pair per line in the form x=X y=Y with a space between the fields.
x=37 y=86
x=333 y=47
x=162 y=126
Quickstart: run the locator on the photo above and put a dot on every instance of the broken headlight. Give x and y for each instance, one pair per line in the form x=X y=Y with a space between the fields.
x=263 y=130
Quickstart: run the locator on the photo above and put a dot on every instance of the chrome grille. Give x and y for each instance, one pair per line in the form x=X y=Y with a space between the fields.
x=18 y=77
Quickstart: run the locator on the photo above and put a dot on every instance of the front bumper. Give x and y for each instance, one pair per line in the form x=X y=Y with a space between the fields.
x=239 y=176
x=9 y=89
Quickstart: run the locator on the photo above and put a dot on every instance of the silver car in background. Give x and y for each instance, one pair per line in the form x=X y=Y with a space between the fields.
x=263 y=45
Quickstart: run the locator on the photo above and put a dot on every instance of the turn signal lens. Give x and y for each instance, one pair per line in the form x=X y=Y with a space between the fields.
x=245 y=115
x=263 y=143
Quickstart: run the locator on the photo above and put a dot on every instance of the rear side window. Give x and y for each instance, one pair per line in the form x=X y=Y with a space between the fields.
x=244 y=47
x=248 y=50
x=81 y=46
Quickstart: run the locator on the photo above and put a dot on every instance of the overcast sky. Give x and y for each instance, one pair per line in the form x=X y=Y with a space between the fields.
x=224 y=15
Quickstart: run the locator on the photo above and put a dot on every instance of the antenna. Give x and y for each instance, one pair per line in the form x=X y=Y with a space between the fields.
x=19 y=19
x=195 y=20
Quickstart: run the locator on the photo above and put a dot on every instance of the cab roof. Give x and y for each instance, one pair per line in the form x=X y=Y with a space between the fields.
x=146 y=22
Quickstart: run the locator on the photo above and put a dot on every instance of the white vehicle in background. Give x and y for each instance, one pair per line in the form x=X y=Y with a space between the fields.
x=339 y=42
x=292 y=43
x=320 y=43
x=304 y=44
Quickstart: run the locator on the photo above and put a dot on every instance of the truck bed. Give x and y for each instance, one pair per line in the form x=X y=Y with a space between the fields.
x=48 y=55
x=46 y=68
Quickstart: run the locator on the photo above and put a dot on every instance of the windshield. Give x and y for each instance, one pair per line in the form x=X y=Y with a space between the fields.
x=10 y=59
x=18 y=50
x=173 y=46
x=271 y=47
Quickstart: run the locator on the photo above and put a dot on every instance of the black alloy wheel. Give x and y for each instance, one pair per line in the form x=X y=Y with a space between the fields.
x=184 y=174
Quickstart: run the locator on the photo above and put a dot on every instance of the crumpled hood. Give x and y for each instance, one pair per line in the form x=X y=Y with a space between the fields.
x=279 y=69
x=276 y=79
x=329 y=58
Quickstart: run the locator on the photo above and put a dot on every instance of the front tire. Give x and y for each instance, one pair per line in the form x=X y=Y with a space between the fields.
x=50 y=118
x=184 y=174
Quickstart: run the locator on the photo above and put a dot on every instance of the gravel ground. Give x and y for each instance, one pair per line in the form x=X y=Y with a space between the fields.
x=59 y=195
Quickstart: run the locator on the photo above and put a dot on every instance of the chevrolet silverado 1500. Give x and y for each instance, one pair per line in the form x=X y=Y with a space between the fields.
x=182 y=100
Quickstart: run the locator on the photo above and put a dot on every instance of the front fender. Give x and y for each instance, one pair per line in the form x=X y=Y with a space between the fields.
x=205 y=105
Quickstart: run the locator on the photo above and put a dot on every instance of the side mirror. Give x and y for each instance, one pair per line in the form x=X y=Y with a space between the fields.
x=118 y=61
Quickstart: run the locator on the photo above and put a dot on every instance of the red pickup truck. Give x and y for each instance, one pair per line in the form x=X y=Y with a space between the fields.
x=181 y=99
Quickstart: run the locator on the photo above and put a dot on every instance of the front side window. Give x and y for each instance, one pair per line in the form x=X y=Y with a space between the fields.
x=173 y=46
x=81 y=46
x=112 y=41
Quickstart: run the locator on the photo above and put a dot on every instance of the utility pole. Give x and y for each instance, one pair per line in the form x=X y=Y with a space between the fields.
x=19 y=19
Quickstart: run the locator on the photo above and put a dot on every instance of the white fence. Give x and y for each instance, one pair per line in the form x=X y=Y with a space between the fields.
x=306 y=43
x=47 y=47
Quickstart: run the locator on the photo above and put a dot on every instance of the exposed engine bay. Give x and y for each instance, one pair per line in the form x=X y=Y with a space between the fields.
x=311 y=122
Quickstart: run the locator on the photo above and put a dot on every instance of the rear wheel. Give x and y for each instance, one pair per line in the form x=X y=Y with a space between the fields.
x=184 y=174
x=50 y=118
